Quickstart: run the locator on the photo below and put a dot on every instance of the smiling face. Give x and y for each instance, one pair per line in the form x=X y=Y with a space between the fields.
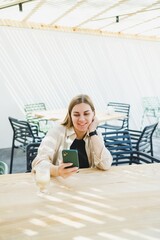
x=80 y=105
x=82 y=116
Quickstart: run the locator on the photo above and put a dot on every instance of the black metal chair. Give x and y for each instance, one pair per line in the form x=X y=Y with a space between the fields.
x=142 y=140
x=120 y=146
x=151 y=109
x=31 y=153
x=141 y=157
x=122 y=123
x=23 y=134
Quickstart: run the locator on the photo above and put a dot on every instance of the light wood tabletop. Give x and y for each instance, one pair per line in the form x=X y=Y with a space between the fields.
x=120 y=204
x=59 y=115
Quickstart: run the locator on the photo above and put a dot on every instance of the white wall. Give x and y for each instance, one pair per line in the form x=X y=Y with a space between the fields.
x=52 y=67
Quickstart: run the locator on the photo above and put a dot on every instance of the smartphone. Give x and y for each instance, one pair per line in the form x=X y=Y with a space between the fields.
x=70 y=156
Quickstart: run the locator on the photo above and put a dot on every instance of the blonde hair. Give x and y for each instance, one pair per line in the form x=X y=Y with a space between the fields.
x=82 y=98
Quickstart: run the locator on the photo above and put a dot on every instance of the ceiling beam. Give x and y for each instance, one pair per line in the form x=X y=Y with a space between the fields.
x=131 y=14
x=11 y=23
x=100 y=13
x=14 y=3
x=68 y=11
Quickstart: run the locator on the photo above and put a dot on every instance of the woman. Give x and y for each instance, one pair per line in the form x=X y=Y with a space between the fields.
x=78 y=131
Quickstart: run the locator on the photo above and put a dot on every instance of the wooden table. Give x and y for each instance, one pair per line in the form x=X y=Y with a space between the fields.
x=54 y=115
x=120 y=204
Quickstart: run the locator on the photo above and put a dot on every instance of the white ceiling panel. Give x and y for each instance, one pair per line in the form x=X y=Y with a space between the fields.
x=122 y=17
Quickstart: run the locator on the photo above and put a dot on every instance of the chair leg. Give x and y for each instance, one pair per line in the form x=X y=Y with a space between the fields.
x=28 y=165
x=11 y=161
x=151 y=149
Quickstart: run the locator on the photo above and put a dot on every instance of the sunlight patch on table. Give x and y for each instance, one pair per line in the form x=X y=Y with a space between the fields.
x=110 y=236
x=38 y=222
x=87 y=209
x=140 y=235
x=30 y=232
x=86 y=218
x=115 y=217
x=155 y=229
x=90 y=194
x=81 y=238
x=93 y=202
x=76 y=214
x=96 y=190
x=51 y=198
x=62 y=220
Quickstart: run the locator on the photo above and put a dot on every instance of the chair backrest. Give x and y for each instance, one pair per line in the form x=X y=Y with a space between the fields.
x=22 y=131
x=33 y=107
x=151 y=105
x=119 y=144
x=3 y=168
x=144 y=143
x=122 y=108
x=31 y=153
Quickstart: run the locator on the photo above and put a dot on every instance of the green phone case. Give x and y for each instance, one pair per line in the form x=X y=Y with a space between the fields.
x=70 y=156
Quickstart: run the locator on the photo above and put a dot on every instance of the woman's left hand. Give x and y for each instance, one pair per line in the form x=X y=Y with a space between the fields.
x=93 y=125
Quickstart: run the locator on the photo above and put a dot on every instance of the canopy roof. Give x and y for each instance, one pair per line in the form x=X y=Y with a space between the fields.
x=134 y=18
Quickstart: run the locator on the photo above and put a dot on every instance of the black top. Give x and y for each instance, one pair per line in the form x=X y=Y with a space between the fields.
x=79 y=144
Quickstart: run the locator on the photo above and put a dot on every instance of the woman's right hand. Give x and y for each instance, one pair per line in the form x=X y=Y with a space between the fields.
x=66 y=172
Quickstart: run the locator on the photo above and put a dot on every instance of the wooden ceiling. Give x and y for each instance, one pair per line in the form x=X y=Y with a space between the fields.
x=131 y=18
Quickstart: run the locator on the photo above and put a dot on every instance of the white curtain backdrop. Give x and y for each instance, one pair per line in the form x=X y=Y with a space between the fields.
x=52 y=67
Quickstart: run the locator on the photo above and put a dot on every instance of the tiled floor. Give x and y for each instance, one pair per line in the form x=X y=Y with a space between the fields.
x=19 y=163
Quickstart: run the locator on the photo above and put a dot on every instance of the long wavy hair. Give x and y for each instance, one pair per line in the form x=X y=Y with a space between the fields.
x=82 y=98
